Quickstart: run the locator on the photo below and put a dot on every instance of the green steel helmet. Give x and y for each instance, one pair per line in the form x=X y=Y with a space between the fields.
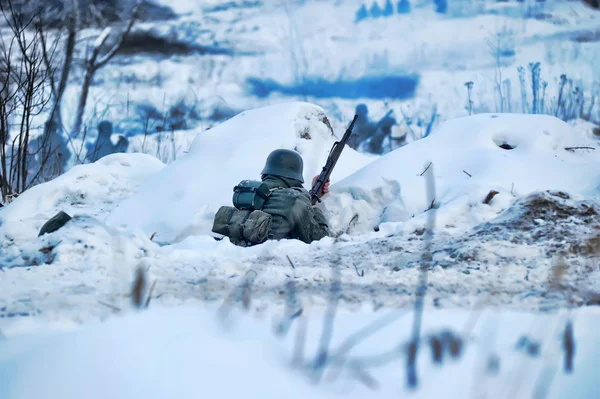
x=284 y=163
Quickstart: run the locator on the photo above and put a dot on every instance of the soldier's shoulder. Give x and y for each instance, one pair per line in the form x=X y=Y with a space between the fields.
x=289 y=191
x=301 y=192
x=292 y=194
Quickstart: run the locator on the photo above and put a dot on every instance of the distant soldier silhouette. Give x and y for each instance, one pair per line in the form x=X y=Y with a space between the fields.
x=376 y=11
x=361 y=14
x=388 y=9
x=103 y=145
x=441 y=6
x=50 y=152
x=403 y=7
x=377 y=143
x=369 y=136
x=363 y=128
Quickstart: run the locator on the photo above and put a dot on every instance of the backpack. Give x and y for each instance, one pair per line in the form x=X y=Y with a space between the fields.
x=245 y=223
x=250 y=195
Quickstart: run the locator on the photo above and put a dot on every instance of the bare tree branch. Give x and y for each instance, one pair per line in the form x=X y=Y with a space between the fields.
x=107 y=57
x=92 y=64
x=25 y=94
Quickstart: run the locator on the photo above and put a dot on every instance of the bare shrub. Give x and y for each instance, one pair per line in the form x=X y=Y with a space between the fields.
x=571 y=100
x=158 y=128
x=99 y=56
x=25 y=80
x=93 y=13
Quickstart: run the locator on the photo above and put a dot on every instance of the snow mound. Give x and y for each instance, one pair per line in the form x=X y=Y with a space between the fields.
x=512 y=154
x=87 y=193
x=90 y=189
x=182 y=199
x=183 y=352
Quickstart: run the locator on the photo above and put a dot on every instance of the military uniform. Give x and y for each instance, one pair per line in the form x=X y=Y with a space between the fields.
x=274 y=209
x=293 y=215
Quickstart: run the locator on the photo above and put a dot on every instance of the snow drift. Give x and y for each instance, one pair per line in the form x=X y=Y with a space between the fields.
x=117 y=359
x=89 y=189
x=183 y=198
x=183 y=352
x=508 y=155
x=512 y=154
x=87 y=193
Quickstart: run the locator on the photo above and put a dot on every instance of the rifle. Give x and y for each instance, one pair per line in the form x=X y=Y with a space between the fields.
x=317 y=190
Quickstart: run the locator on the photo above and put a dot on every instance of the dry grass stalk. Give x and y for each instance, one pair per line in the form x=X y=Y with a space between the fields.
x=139 y=286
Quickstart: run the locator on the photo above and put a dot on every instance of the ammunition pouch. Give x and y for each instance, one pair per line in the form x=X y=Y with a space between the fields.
x=244 y=227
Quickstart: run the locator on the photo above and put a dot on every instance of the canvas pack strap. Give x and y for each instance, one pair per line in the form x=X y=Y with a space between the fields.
x=230 y=215
x=243 y=189
x=244 y=221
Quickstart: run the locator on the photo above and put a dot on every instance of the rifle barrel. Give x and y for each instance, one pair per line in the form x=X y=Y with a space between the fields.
x=332 y=159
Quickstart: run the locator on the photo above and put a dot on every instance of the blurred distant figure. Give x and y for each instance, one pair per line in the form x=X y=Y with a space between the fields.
x=388 y=8
x=441 y=6
x=50 y=153
x=371 y=137
x=103 y=145
x=403 y=7
x=363 y=128
x=381 y=140
x=361 y=14
x=376 y=10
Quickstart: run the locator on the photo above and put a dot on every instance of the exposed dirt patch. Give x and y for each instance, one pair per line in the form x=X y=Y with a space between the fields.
x=328 y=124
x=305 y=134
x=588 y=247
x=551 y=217
x=547 y=206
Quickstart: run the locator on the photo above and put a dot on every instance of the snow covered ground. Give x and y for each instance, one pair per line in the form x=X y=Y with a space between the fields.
x=470 y=157
x=528 y=255
x=131 y=211
x=533 y=247
x=186 y=352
